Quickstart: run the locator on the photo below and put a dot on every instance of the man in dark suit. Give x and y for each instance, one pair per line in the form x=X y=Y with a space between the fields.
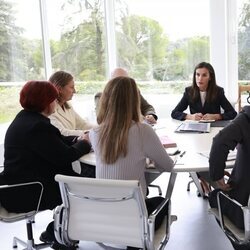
x=147 y=109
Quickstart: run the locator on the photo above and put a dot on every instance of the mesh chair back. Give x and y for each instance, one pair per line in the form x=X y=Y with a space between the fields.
x=99 y=210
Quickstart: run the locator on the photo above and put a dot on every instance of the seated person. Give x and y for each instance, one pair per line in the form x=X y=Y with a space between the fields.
x=236 y=134
x=65 y=118
x=35 y=150
x=121 y=141
x=205 y=100
x=147 y=110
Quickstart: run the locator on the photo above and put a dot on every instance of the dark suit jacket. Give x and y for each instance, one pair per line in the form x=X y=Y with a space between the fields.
x=236 y=134
x=146 y=108
x=36 y=151
x=208 y=108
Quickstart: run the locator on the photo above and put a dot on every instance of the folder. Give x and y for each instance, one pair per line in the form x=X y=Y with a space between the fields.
x=193 y=127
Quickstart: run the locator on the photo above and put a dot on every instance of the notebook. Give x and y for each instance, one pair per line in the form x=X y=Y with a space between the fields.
x=193 y=127
x=167 y=142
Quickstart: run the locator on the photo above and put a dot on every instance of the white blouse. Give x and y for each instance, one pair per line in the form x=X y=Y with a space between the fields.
x=68 y=121
x=203 y=97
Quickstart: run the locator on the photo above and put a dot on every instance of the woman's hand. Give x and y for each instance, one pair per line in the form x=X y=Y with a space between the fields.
x=215 y=117
x=84 y=136
x=195 y=117
x=150 y=119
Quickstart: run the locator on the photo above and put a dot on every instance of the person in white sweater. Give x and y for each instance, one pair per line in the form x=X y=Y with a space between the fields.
x=65 y=118
x=121 y=142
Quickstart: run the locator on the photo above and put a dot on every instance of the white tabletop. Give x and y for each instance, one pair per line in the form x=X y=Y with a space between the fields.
x=192 y=143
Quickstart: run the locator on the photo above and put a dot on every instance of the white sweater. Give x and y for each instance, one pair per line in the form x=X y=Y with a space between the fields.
x=143 y=143
x=68 y=121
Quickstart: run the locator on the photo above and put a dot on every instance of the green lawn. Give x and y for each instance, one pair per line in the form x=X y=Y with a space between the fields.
x=10 y=94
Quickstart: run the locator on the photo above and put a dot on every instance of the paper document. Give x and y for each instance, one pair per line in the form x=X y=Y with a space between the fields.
x=231 y=156
x=206 y=121
x=193 y=127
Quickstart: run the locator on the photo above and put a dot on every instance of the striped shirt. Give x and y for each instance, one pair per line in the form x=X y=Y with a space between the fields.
x=143 y=143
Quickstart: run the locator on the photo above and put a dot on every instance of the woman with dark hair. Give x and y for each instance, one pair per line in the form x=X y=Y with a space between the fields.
x=35 y=150
x=204 y=98
x=122 y=143
x=65 y=118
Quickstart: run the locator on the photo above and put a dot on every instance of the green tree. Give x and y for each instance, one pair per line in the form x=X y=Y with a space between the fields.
x=244 y=42
x=10 y=35
x=141 y=45
x=181 y=58
x=81 y=48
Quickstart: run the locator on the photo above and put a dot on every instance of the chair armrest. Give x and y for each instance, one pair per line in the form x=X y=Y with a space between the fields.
x=161 y=206
x=26 y=184
x=152 y=216
x=219 y=195
x=235 y=233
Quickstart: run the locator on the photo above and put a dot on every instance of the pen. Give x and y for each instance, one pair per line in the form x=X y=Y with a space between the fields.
x=184 y=152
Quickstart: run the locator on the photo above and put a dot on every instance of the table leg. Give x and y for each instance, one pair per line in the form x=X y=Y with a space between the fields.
x=197 y=183
x=171 y=183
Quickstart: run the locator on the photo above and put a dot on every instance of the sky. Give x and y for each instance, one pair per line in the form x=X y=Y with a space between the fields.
x=179 y=18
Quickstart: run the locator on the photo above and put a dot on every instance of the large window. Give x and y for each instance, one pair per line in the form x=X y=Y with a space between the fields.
x=20 y=43
x=77 y=38
x=160 y=40
x=244 y=40
x=20 y=51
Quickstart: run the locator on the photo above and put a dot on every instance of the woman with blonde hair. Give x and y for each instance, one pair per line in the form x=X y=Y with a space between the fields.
x=122 y=143
x=65 y=118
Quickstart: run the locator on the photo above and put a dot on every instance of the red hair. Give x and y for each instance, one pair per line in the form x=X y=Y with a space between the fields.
x=37 y=95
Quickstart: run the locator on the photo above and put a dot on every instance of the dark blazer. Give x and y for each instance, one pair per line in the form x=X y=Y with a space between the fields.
x=236 y=134
x=208 y=108
x=36 y=151
x=146 y=108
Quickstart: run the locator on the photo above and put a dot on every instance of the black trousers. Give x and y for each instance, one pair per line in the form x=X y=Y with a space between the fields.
x=87 y=170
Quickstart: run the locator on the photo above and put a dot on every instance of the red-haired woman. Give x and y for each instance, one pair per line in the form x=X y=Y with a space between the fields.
x=35 y=150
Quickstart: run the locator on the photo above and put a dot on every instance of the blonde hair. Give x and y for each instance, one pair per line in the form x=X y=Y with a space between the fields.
x=119 y=107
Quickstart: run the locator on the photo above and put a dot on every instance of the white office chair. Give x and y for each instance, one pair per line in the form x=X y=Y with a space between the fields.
x=236 y=235
x=10 y=217
x=107 y=211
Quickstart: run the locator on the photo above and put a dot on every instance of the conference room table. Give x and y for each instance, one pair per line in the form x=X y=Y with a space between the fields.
x=193 y=157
